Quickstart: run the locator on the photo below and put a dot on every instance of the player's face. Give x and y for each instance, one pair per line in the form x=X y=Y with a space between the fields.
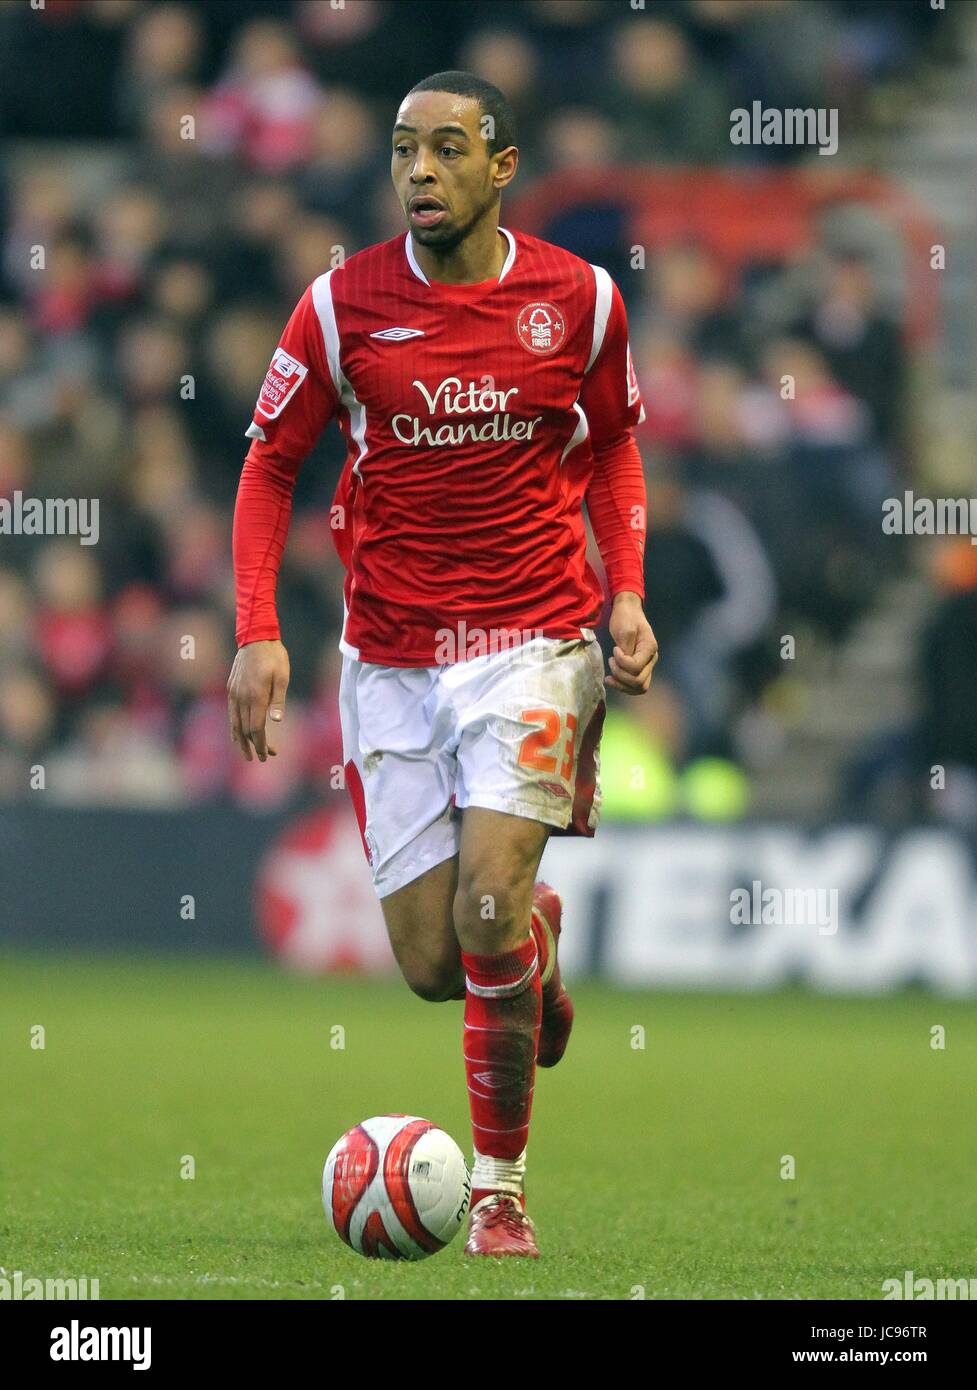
x=442 y=170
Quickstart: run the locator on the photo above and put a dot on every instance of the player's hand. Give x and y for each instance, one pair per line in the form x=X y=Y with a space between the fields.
x=256 y=693
x=635 y=647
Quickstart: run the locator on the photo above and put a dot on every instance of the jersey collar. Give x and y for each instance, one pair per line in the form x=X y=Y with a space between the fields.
x=507 y=265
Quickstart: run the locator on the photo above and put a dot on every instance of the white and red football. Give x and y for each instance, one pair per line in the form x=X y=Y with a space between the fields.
x=396 y=1188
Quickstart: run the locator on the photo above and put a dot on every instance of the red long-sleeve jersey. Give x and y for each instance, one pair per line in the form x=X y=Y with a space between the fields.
x=477 y=419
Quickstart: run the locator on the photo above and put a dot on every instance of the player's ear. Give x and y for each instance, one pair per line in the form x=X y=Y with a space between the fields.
x=506 y=163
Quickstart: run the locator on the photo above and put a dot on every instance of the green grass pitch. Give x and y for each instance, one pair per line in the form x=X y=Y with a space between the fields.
x=654 y=1170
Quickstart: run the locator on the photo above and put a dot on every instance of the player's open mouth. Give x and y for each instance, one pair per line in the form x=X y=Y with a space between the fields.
x=426 y=212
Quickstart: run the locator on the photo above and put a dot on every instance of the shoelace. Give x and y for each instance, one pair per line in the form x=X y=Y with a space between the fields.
x=503 y=1212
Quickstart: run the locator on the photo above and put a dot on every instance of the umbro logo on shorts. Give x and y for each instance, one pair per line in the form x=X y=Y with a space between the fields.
x=557 y=788
x=397 y=335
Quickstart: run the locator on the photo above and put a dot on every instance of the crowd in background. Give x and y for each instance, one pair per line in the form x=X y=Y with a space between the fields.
x=130 y=361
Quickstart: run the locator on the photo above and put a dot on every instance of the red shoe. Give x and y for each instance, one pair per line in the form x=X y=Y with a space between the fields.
x=499 y=1226
x=557 y=1020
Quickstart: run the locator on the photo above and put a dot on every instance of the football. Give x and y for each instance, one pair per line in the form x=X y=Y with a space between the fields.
x=396 y=1187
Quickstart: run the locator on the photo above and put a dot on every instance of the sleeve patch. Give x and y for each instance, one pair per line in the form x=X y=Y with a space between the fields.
x=282 y=380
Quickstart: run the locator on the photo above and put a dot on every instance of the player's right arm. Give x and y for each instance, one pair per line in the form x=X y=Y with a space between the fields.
x=296 y=402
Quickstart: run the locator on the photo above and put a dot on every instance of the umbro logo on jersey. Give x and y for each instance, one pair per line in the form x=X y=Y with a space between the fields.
x=397 y=335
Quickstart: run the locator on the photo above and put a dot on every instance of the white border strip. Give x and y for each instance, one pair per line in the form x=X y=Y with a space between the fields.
x=326 y=311
x=507 y=264
x=602 y=312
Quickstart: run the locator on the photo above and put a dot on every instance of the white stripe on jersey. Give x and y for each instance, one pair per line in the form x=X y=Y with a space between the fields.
x=344 y=646
x=322 y=299
x=580 y=432
x=412 y=259
x=510 y=260
x=602 y=312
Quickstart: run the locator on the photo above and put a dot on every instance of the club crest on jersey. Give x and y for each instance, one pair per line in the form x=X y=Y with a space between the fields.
x=540 y=327
x=282 y=380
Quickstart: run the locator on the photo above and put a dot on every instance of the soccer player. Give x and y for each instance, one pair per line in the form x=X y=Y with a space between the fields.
x=483 y=383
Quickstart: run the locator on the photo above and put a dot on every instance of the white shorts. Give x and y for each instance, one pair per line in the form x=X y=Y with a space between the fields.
x=515 y=731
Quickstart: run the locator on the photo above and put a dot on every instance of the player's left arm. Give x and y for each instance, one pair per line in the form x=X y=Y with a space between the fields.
x=617 y=502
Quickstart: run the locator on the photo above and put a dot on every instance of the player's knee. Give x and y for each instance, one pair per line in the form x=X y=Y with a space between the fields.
x=433 y=983
x=486 y=904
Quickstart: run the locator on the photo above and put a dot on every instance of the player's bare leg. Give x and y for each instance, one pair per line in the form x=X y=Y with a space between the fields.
x=420 y=924
x=498 y=861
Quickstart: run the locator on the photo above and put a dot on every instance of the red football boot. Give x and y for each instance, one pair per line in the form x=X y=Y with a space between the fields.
x=557 y=1019
x=499 y=1226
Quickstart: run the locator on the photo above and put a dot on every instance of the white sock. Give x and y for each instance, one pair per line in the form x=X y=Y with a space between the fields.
x=499 y=1174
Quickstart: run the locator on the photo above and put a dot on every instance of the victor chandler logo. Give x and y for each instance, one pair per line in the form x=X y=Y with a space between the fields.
x=453 y=398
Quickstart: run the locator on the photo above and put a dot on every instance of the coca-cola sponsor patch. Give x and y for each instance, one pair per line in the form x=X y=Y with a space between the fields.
x=282 y=380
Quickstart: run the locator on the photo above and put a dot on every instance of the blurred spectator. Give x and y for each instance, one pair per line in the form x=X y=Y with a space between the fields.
x=346 y=157
x=647 y=773
x=172 y=157
x=948 y=676
x=130 y=228
x=712 y=596
x=164 y=48
x=926 y=767
x=690 y=297
x=509 y=59
x=78 y=48
x=27 y=719
x=263 y=109
x=663 y=105
x=72 y=632
x=862 y=345
x=15 y=619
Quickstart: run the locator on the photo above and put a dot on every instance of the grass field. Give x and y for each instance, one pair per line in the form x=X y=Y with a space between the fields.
x=657 y=1168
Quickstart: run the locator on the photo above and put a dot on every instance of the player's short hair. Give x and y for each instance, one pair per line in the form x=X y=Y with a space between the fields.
x=493 y=102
